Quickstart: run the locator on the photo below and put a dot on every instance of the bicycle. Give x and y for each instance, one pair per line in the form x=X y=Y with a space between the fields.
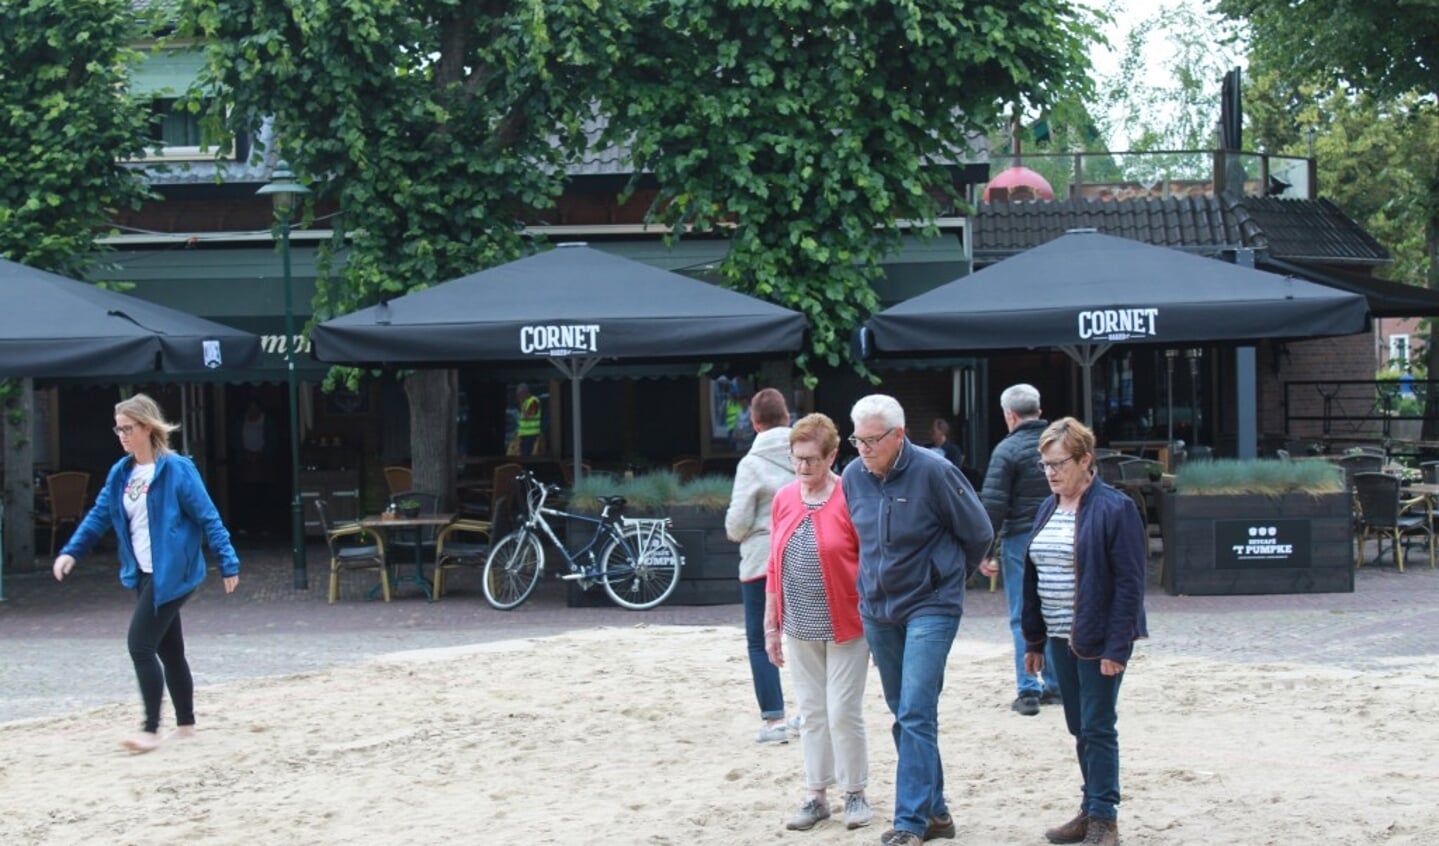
x=638 y=562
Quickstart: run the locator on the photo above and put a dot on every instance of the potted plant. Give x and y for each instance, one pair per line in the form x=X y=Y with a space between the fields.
x=1258 y=526
x=408 y=507
x=696 y=509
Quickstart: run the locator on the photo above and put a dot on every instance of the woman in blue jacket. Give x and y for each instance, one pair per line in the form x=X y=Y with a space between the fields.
x=161 y=513
x=1084 y=597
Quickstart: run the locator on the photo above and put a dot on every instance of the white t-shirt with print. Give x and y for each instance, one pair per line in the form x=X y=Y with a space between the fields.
x=139 y=516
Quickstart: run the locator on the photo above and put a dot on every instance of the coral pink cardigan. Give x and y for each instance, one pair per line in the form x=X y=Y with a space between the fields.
x=838 y=555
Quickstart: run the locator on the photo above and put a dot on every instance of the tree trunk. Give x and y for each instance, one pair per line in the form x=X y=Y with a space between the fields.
x=433 y=396
x=19 y=472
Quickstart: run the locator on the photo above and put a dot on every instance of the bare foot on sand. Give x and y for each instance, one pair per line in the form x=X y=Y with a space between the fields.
x=145 y=741
x=182 y=732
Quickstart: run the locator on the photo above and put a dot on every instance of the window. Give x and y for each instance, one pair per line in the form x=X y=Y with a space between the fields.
x=160 y=78
x=1399 y=351
x=172 y=126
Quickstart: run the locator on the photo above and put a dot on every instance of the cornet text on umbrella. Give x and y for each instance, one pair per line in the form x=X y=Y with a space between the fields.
x=1117 y=323
x=548 y=339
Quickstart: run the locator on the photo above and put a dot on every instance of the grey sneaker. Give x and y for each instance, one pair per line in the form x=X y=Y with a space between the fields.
x=1027 y=704
x=812 y=811
x=794 y=723
x=778 y=733
x=856 y=811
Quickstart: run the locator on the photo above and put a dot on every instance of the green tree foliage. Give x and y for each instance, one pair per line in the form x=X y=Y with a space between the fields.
x=1372 y=155
x=1385 y=52
x=65 y=125
x=434 y=124
x=805 y=129
x=1165 y=92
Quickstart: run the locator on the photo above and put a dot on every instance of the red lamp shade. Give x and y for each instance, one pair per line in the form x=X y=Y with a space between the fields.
x=1018 y=183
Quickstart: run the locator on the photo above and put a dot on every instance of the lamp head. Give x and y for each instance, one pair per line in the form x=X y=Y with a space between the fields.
x=283 y=188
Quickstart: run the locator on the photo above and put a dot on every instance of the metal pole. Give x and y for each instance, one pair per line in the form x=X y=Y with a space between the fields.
x=297 y=517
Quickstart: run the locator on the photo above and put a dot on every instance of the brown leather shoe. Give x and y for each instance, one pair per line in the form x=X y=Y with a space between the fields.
x=1102 y=832
x=940 y=827
x=1073 y=831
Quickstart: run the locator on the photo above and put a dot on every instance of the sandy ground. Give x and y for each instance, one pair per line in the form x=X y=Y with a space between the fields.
x=642 y=735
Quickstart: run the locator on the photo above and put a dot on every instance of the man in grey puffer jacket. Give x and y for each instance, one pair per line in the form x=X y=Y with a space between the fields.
x=764 y=469
x=1014 y=488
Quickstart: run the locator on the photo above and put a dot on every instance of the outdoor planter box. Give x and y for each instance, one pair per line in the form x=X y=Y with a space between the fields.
x=711 y=570
x=1256 y=543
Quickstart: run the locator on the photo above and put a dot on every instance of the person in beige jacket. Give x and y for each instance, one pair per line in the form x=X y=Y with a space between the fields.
x=763 y=470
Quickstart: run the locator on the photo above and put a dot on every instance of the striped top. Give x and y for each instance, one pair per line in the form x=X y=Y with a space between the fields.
x=1052 y=551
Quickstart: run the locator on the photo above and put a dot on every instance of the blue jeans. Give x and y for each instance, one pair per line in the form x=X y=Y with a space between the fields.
x=1090 y=698
x=910 y=658
x=767 y=688
x=1012 y=560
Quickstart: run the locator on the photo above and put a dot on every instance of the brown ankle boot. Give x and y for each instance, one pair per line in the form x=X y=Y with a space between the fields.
x=1071 y=832
x=1102 y=832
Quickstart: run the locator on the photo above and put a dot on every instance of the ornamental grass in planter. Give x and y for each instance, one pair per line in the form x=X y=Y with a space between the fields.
x=1258 y=476
x=653 y=493
x=1258 y=526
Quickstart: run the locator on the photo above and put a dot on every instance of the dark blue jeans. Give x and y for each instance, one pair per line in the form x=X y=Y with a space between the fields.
x=1090 y=699
x=1011 y=557
x=767 y=689
x=910 y=658
x=157 y=648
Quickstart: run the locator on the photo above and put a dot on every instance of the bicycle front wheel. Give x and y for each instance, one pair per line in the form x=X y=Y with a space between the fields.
x=513 y=570
x=643 y=570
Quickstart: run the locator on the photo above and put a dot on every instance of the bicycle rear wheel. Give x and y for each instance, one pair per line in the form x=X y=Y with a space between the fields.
x=513 y=569
x=643 y=571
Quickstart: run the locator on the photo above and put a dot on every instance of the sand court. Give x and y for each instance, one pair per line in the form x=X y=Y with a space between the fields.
x=642 y=735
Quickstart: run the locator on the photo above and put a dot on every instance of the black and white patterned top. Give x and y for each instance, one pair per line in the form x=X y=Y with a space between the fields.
x=1053 y=552
x=806 y=609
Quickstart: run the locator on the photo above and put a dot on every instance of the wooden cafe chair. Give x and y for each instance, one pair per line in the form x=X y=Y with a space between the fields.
x=1383 y=515
x=398 y=479
x=352 y=548
x=463 y=543
x=66 y=492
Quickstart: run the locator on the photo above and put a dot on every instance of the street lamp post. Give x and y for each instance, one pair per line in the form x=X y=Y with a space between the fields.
x=282 y=190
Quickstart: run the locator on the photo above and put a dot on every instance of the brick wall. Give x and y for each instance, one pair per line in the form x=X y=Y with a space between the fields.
x=1349 y=357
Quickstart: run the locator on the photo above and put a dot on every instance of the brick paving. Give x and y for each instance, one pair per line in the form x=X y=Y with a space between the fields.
x=65 y=643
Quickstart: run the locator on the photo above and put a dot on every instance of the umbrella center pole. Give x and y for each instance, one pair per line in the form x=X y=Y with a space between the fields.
x=1085 y=355
x=575 y=369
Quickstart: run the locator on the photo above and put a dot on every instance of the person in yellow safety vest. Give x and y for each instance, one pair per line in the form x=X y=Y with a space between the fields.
x=733 y=409
x=528 y=426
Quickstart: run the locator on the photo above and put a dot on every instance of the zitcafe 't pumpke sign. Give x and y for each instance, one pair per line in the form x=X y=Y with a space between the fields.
x=554 y=340
x=1118 y=324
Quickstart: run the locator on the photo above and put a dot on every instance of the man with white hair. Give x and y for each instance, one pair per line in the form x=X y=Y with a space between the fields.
x=922 y=533
x=1014 y=488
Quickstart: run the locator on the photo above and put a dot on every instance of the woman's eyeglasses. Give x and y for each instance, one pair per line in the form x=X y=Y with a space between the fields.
x=123 y=430
x=1053 y=466
x=806 y=460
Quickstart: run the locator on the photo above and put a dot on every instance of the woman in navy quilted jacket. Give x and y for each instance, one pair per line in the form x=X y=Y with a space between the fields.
x=161 y=513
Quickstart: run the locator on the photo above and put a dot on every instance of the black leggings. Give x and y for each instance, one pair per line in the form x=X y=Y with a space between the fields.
x=157 y=640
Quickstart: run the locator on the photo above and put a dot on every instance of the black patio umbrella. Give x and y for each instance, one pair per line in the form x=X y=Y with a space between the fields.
x=56 y=327
x=571 y=306
x=1083 y=292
